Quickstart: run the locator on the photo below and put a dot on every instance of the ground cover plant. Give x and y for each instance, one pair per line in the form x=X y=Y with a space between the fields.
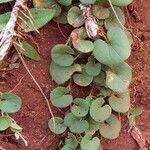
x=95 y=55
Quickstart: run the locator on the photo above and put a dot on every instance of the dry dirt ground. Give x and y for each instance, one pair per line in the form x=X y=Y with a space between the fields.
x=34 y=114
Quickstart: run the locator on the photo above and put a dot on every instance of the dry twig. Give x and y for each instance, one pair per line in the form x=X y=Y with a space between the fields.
x=6 y=36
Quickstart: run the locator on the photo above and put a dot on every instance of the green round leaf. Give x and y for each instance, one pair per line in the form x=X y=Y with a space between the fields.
x=100 y=79
x=5 y=1
x=112 y=20
x=62 y=18
x=60 y=97
x=5 y=122
x=93 y=68
x=121 y=2
x=82 y=79
x=111 y=128
x=62 y=74
x=79 y=126
x=88 y=1
x=71 y=141
x=65 y=2
x=93 y=126
x=10 y=103
x=80 y=107
x=100 y=12
x=135 y=112
x=75 y=124
x=62 y=55
x=120 y=103
x=75 y=17
x=89 y=143
x=98 y=112
x=84 y=46
x=116 y=51
x=59 y=127
x=119 y=77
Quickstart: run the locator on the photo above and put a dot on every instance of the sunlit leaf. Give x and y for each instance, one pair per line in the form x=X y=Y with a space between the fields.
x=110 y=129
x=65 y=2
x=59 y=127
x=4 y=123
x=112 y=21
x=82 y=79
x=80 y=107
x=28 y=50
x=62 y=55
x=89 y=143
x=5 y=1
x=99 y=112
x=10 y=103
x=62 y=74
x=121 y=2
x=115 y=51
x=119 y=77
x=120 y=103
x=60 y=97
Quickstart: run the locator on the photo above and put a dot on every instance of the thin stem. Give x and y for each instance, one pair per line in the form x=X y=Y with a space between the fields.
x=37 y=84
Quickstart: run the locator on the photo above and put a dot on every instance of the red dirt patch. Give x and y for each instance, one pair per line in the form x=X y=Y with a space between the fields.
x=34 y=114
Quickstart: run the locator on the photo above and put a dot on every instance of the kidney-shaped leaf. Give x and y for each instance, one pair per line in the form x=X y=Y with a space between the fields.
x=98 y=112
x=10 y=103
x=112 y=20
x=82 y=79
x=59 y=127
x=62 y=74
x=116 y=51
x=93 y=68
x=120 y=103
x=60 y=97
x=65 y=2
x=111 y=128
x=62 y=55
x=100 y=12
x=76 y=124
x=5 y=122
x=121 y=2
x=75 y=17
x=5 y=1
x=88 y=1
x=80 y=107
x=89 y=143
x=119 y=78
x=28 y=50
x=84 y=46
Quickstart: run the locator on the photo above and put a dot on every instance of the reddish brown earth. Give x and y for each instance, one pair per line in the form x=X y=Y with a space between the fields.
x=34 y=114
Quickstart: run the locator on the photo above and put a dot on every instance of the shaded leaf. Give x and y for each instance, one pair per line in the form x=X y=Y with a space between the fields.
x=88 y=1
x=65 y=2
x=5 y=1
x=60 y=97
x=75 y=17
x=59 y=125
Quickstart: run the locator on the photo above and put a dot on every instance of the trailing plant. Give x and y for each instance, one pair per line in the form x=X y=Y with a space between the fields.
x=94 y=56
x=10 y=103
